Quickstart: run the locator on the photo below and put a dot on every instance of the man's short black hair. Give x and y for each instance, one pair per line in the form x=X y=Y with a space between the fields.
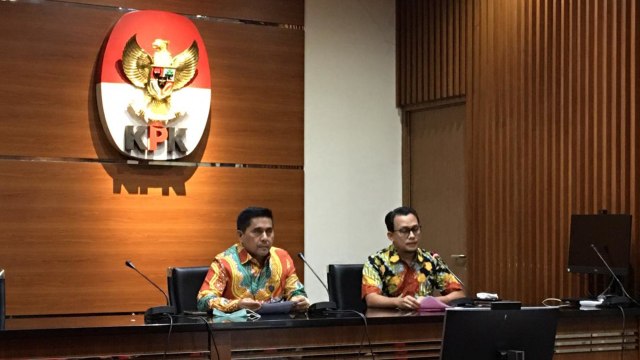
x=402 y=211
x=252 y=212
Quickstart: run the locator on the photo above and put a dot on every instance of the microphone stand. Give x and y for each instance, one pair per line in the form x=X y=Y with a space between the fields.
x=615 y=300
x=321 y=307
x=155 y=314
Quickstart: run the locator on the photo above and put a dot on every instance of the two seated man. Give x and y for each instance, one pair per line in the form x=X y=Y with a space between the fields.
x=253 y=271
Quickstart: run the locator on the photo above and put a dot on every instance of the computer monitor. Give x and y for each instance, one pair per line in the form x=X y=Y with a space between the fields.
x=485 y=334
x=610 y=234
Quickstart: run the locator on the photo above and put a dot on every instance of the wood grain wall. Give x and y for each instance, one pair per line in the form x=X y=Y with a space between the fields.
x=72 y=209
x=432 y=40
x=552 y=125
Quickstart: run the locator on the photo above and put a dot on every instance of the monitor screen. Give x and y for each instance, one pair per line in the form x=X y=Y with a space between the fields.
x=610 y=234
x=485 y=334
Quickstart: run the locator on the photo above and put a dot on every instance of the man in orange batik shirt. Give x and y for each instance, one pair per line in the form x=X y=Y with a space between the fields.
x=252 y=271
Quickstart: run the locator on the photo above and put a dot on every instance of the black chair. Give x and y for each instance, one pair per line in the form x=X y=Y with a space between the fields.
x=2 y=300
x=184 y=284
x=345 y=284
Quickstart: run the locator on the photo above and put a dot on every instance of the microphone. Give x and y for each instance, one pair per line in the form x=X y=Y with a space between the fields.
x=614 y=300
x=157 y=313
x=463 y=301
x=323 y=306
x=436 y=255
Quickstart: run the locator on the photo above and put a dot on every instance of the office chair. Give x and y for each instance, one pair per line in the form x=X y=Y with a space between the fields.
x=345 y=284
x=184 y=284
x=2 y=300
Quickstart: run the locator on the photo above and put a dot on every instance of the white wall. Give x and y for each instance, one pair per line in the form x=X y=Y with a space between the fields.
x=352 y=136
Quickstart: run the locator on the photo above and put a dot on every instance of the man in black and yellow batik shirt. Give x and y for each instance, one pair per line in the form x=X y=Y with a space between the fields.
x=400 y=275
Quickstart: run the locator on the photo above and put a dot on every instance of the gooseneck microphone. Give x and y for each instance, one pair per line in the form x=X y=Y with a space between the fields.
x=616 y=300
x=322 y=306
x=465 y=301
x=128 y=263
x=157 y=313
x=436 y=255
x=301 y=256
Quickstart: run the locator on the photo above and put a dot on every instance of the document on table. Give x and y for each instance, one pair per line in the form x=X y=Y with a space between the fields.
x=282 y=307
x=429 y=303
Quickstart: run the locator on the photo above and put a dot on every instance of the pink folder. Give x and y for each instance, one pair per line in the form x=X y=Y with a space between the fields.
x=429 y=303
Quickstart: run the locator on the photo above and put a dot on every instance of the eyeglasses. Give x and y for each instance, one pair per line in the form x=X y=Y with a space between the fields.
x=405 y=231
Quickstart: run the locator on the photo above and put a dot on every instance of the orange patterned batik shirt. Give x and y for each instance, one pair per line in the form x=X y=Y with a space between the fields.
x=235 y=275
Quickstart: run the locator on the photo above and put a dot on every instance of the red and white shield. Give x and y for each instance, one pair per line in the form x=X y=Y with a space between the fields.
x=154 y=86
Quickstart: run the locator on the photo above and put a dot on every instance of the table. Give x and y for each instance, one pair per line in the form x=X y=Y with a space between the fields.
x=394 y=334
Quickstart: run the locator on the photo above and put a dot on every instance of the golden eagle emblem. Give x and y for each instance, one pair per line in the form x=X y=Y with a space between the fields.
x=158 y=76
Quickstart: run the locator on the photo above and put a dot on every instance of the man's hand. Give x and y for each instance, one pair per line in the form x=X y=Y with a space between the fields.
x=301 y=303
x=250 y=304
x=403 y=302
x=407 y=302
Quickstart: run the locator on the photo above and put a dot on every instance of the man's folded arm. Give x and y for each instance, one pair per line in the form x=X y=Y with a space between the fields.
x=210 y=294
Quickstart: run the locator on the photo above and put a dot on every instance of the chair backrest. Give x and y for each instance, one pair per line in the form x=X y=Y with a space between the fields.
x=345 y=284
x=184 y=284
x=2 y=300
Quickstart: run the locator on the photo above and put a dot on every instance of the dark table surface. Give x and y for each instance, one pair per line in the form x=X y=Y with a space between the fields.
x=373 y=316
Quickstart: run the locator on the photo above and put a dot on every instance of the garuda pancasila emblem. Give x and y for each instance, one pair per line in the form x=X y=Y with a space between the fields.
x=158 y=76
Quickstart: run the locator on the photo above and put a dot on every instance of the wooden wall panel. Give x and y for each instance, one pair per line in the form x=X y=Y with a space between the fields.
x=73 y=209
x=49 y=98
x=552 y=129
x=277 y=12
x=257 y=96
x=432 y=51
x=66 y=234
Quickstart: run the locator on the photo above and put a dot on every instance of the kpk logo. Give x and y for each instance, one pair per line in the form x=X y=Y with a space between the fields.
x=153 y=104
